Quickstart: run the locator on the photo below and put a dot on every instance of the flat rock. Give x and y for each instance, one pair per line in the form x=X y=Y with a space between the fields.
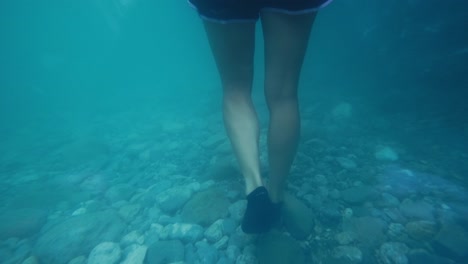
x=165 y=252
x=136 y=254
x=421 y=256
x=276 y=248
x=452 y=241
x=188 y=233
x=119 y=192
x=347 y=254
x=215 y=231
x=106 y=252
x=393 y=253
x=421 y=230
x=21 y=223
x=346 y=163
x=173 y=199
x=206 y=207
x=77 y=235
x=358 y=194
x=368 y=230
x=417 y=210
x=298 y=218
x=386 y=154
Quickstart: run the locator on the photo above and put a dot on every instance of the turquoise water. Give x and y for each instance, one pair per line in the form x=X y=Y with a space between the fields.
x=113 y=148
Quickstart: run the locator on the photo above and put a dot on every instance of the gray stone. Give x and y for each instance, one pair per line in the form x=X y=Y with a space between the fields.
x=206 y=252
x=276 y=248
x=345 y=238
x=119 y=192
x=330 y=213
x=78 y=260
x=222 y=243
x=232 y=252
x=240 y=239
x=173 y=199
x=215 y=231
x=128 y=212
x=393 y=253
x=77 y=235
x=247 y=259
x=224 y=260
x=191 y=254
x=346 y=163
x=394 y=215
x=135 y=254
x=388 y=200
x=335 y=194
x=165 y=252
x=185 y=232
x=229 y=226
x=417 y=210
x=21 y=223
x=206 y=207
x=386 y=154
x=298 y=218
x=134 y=237
x=30 y=260
x=396 y=231
x=237 y=210
x=368 y=230
x=214 y=140
x=358 y=194
x=452 y=241
x=347 y=254
x=421 y=256
x=105 y=252
x=421 y=230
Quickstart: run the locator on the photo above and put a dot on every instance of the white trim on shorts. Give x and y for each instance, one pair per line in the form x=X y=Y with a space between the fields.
x=268 y=9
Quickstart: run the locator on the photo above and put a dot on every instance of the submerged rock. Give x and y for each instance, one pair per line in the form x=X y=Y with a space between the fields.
x=173 y=199
x=185 y=232
x=386 y=154
x=419 y=210
x=77 y=235
x=206 y=207
x=119 y=192
x=347 y=254
x=452 y=241
x=393 y=253
x=421 y=230
x=298 y=218
x=368 y=230
x=165 y=252
x=275 y=248
x=136 y=254
x=358 y=194
x=106 y=252
x=21 y=223
x=421 y=256
x=346 y=163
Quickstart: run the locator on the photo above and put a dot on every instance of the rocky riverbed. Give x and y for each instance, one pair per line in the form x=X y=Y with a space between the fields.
x=171 y=193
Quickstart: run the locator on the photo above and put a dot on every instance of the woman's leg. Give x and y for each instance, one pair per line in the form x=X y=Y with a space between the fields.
x=232 y=45
x=286 y=39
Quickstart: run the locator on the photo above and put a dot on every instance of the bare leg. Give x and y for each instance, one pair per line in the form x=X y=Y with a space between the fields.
x=233 y=48
x=286 y=38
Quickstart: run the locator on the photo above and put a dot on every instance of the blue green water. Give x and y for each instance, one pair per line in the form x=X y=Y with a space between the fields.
x=109 y=107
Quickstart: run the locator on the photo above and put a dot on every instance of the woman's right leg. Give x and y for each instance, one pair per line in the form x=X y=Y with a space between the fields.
x=232 y=45
x=233 y=48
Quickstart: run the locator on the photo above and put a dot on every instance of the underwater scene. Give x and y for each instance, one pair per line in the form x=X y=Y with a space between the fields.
x=128 y=134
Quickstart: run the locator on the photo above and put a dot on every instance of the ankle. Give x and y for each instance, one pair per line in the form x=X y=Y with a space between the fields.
x=251 y=184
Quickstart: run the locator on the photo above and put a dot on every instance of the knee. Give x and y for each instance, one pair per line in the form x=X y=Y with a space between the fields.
x=236 y=95
x=281 y=96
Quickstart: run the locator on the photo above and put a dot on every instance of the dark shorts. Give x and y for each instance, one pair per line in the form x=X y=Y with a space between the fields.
x=249 y=10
